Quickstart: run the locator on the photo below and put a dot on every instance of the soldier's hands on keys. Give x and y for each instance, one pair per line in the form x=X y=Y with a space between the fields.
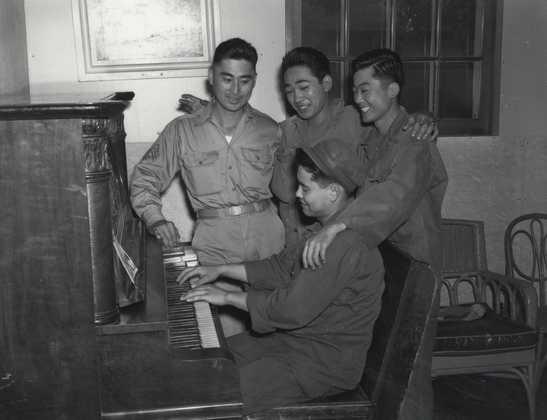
x=208 y=293
x=198 y=276
x=168 y=234
x=422 y=126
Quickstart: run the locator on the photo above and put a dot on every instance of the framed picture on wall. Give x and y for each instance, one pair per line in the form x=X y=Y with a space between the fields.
x=130 y=39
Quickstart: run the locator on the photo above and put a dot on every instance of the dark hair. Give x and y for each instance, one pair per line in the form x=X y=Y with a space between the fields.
x=387 y=65
x=314 y=59
x=236 y=49
x=317 y=175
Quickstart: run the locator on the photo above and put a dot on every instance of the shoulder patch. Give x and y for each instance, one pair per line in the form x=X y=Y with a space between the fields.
x=152 y=153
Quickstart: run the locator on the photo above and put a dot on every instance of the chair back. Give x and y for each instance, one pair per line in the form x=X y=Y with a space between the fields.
x=525 y=244
x=403 y=333
x=463 y=246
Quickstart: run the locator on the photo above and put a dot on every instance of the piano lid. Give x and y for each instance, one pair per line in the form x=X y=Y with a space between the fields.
x=60 y=106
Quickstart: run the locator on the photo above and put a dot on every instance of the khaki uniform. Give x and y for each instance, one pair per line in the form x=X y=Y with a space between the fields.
x=216 y=175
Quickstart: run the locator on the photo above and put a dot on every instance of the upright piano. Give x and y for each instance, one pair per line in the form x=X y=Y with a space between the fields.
x=91 y=324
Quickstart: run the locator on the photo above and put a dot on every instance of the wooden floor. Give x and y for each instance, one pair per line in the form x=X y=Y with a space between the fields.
x=474 y=397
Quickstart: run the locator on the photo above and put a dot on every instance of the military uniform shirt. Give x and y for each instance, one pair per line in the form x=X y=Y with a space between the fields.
x=402 y=194
x=216 y=174
x=322 y=319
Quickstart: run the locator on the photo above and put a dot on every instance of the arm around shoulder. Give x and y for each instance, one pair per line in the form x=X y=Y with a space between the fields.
x=391 y=194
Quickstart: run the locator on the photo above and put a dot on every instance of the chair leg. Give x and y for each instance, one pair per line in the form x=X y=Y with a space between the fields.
x=540 y=357
x=528 y=377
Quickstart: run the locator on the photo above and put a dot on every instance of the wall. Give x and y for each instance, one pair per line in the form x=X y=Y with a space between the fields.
x=53 y=70
x=491 y=178
x=52 y=61
x=13 y=59
x=495 y=179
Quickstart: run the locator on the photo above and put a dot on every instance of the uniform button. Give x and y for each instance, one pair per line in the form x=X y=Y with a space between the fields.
x=230 y=167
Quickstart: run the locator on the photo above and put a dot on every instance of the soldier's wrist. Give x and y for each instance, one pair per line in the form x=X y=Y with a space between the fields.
x=152 y=228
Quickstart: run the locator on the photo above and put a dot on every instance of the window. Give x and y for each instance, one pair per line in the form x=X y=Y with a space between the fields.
x=450 y=49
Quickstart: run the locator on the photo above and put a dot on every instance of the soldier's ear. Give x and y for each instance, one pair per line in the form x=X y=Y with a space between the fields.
x=210 y=76
x=335 y=190
x=393 y=90
x=327 y=83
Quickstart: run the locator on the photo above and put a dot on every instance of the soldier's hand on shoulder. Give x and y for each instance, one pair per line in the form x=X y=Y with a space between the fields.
x=315 y=251
x=422 y=126
x=190 y=104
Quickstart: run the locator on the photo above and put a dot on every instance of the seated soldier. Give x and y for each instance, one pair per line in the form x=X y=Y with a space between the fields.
x=311 y=329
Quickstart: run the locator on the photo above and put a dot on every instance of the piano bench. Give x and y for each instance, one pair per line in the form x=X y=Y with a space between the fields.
x=353 y=404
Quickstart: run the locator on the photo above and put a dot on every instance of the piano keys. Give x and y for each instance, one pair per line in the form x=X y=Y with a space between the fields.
x=191 y=326
x=177 y=365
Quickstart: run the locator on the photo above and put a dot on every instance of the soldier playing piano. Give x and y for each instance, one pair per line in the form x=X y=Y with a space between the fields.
x=314 y=326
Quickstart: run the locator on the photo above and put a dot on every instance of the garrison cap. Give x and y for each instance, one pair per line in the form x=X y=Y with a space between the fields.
x=338 y=160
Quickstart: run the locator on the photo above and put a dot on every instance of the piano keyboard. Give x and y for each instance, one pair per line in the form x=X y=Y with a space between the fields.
x=191 y=326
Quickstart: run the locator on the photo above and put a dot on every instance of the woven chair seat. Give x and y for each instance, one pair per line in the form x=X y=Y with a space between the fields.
x=490 y=334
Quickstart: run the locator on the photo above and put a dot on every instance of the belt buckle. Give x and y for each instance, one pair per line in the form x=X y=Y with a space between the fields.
x=236 y=210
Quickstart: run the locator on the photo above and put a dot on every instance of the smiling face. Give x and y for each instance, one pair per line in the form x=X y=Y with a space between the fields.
x=316 y=200
x=232 y=82
x=305 y=92
x=375 y=98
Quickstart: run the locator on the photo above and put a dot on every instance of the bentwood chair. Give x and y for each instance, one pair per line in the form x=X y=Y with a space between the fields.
x=501 y=338
x=526 y=258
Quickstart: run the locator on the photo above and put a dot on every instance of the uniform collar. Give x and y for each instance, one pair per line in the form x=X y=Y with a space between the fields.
x=375 y=142
x=335 y=108
x=206 y=114
x=397 y=124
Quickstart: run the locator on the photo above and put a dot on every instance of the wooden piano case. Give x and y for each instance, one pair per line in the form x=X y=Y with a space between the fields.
x=81 y=337
x=63 y=184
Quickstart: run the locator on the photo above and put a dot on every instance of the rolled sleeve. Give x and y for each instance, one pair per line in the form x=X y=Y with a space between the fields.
x=153 y=174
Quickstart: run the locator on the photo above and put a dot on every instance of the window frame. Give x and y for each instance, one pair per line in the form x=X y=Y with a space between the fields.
x=487 y=124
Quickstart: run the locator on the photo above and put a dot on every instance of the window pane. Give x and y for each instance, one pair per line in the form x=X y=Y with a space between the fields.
x=367 y=25
x=321 y=25
x=458 y=28
x=336 y=68
x=456 y=84
x=413 y=27
x=415 y=93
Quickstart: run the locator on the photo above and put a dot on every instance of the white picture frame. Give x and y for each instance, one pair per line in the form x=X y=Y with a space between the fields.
x=133 y=39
